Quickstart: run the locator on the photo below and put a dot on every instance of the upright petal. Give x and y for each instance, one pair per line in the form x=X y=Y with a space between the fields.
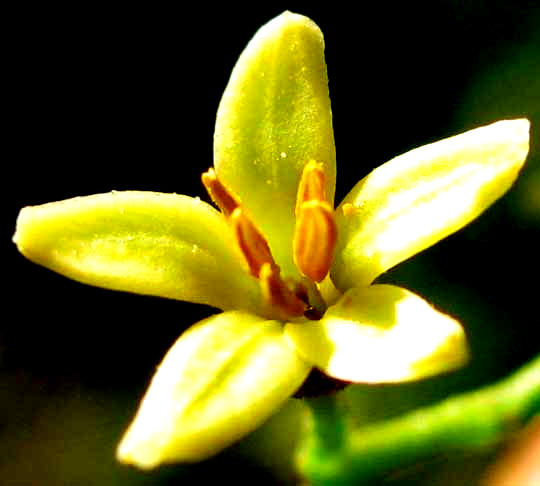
x=378 y=334
x=274 y=118
x=158 y=244
x=420 y=197
x=219 y=381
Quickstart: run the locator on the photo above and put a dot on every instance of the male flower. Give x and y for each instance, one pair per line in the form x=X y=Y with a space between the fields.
x=292 y=275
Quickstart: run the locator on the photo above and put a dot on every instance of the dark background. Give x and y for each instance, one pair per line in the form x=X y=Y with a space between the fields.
x=124 y=97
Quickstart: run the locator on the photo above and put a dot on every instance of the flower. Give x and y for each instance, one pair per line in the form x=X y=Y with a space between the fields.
x=292 y=276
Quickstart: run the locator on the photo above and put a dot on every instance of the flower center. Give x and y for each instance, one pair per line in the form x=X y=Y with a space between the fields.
x=315 y=237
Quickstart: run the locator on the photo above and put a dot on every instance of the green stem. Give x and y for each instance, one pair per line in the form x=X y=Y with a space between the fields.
x=471 y=421
x=328 y=422
x=322 y=449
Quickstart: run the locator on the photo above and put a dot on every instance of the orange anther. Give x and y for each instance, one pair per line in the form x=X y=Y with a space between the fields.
x=315 y=237
x=315 y=233
x=251 y=242
x=312 y=184
x=222 y=197
x=278 y=295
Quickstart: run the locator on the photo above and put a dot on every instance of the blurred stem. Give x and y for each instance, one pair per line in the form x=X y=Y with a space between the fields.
x=327 y=423
x=471 y=421
x=324 y=442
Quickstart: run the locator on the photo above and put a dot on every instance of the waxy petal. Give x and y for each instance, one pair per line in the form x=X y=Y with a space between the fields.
x=220 y=380
x=422 y=196
x=274 y=118
x=158 y=244
x=380 y=334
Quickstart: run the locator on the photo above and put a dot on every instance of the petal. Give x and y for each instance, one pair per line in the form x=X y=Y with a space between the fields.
x=273 y=118
x=219 y=381
x=418 y=198
x=381 y=334
x=159 y=244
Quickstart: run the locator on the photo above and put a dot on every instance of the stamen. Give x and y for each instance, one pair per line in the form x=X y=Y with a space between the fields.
x=251 y=242
x=315 y=238
x=283 y=301
x=222 y=197
x=278 y=294
x=315 y=233
x=312 y=184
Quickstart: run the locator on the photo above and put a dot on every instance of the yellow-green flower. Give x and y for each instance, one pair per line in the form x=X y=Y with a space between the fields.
x=292 y=275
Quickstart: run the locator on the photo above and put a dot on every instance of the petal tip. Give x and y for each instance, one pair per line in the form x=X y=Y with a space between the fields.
x=517 y=129
x=133 y=452
x=24 y=231
x=289 y=19
x=523 y=124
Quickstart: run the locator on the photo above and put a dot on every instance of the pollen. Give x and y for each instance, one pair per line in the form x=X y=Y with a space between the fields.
x=315 y=232
x=348 y=209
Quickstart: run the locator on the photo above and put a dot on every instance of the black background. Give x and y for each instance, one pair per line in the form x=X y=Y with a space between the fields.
x=124 y=97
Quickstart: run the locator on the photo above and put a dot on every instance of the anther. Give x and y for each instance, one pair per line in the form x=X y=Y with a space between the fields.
x=315 y=232
x=312 y=184
x=251 y=242
x=278 y=295
x=315 y=237
x=222 y=197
